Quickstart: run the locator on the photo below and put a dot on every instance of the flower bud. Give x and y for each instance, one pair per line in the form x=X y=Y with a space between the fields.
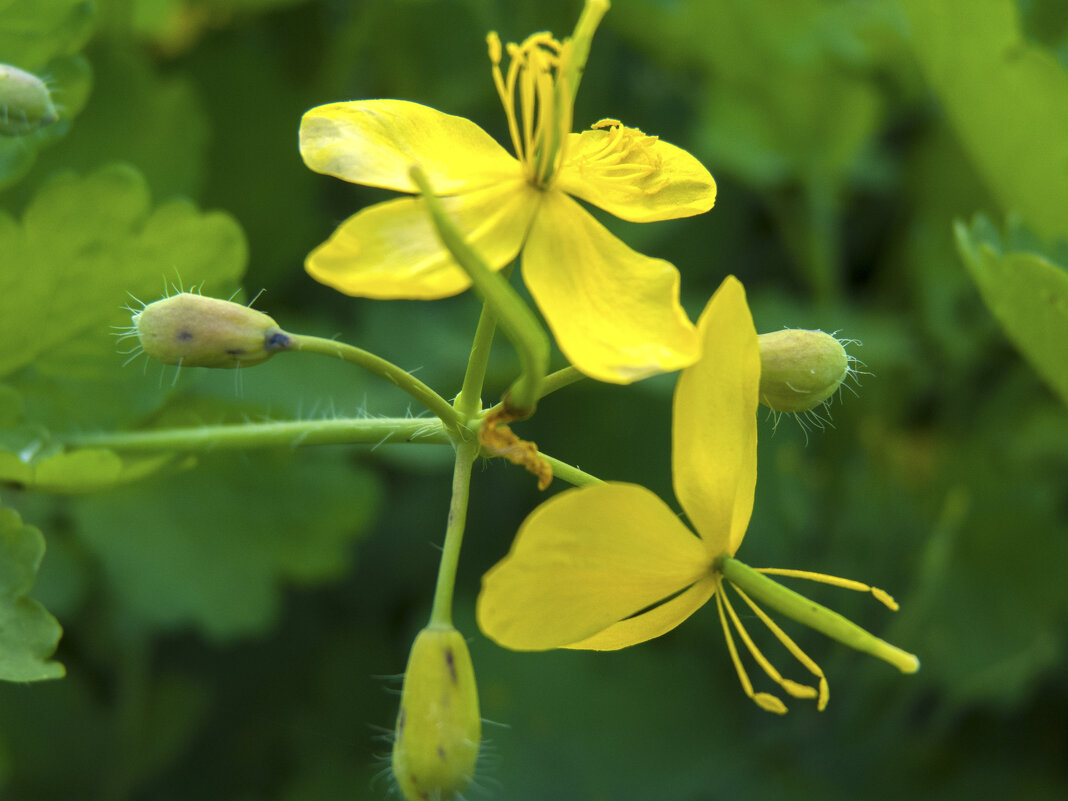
x=438 y=725
x=25 y=102
x=800 y=369
x=197 y=331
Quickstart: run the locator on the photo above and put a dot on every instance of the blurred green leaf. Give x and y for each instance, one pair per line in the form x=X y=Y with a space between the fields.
x=33 y=32
x=1007 y=99
x=86 y=470
x=139 y=115
x=211 y=547
x=10 y=406
x=85 y=243
x=28 y=633
x=85 y=248
x=43 y=37
x=1028 y=295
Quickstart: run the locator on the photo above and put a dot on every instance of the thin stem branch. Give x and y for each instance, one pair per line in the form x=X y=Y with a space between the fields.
x=296 y=433
x=386 y=369
x=290 y=433
x=469 y=401
x=569 y=473
x=441 y=612
x=558 y=380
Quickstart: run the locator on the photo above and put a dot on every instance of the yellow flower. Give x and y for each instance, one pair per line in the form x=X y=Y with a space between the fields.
x=606 y=566
x=615 y=313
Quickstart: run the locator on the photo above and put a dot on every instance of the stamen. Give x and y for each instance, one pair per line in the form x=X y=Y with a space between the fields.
x=544 y=131
x=536 y=70
x=792 y=647
x=526 y=80
x=849 y=584
x=796 y=689
x=505 y=93
x=765 y=701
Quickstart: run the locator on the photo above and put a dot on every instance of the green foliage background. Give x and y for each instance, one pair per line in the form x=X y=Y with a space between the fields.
x=231 y=626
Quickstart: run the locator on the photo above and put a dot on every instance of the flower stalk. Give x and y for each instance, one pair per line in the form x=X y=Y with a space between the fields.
x=383 y=368
x=441 y=611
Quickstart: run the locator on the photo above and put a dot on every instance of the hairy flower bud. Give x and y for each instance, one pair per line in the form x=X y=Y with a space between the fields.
x=438 y=725
x=197 y=331
x=25 y=102
x=800 y=369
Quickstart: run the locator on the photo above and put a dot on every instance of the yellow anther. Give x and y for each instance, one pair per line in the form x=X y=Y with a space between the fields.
x=493 y=42
x=770 y=703
x=885 y=598
x=823 y=694
x=798 y=690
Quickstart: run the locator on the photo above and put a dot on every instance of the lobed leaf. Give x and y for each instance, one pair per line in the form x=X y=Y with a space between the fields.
x=1007 y=100
x=1028 y=294
x=28 y=633
x=82 y=248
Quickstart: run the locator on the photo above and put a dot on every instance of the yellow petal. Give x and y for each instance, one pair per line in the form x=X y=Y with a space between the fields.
x=584 y=560
x=714 y=433
x=658 y=620
x=375 y=142
x=634 y=176
x=392 y=251
x=614 y=312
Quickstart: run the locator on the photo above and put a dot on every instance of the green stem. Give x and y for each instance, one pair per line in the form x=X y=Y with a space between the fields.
x=558 y=380
x=469 y=401
x=441 y=612
x=294 y=433
x=515 y=317
x=569 y=473
x=270 y=435
x=553 y=382
x=379 y=366
x=799 y=608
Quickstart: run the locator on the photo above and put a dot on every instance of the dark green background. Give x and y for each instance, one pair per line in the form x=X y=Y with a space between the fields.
x=233 y=631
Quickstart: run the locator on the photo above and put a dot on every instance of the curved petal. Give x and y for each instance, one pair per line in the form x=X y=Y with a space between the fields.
x=614 y=312
x=391 y=250
x=714 y=427
x=634 y=176
x=584 y=560
x=375 y=142
x=658 y=620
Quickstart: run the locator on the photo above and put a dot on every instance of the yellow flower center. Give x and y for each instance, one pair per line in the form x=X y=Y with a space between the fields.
x=537 y=82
